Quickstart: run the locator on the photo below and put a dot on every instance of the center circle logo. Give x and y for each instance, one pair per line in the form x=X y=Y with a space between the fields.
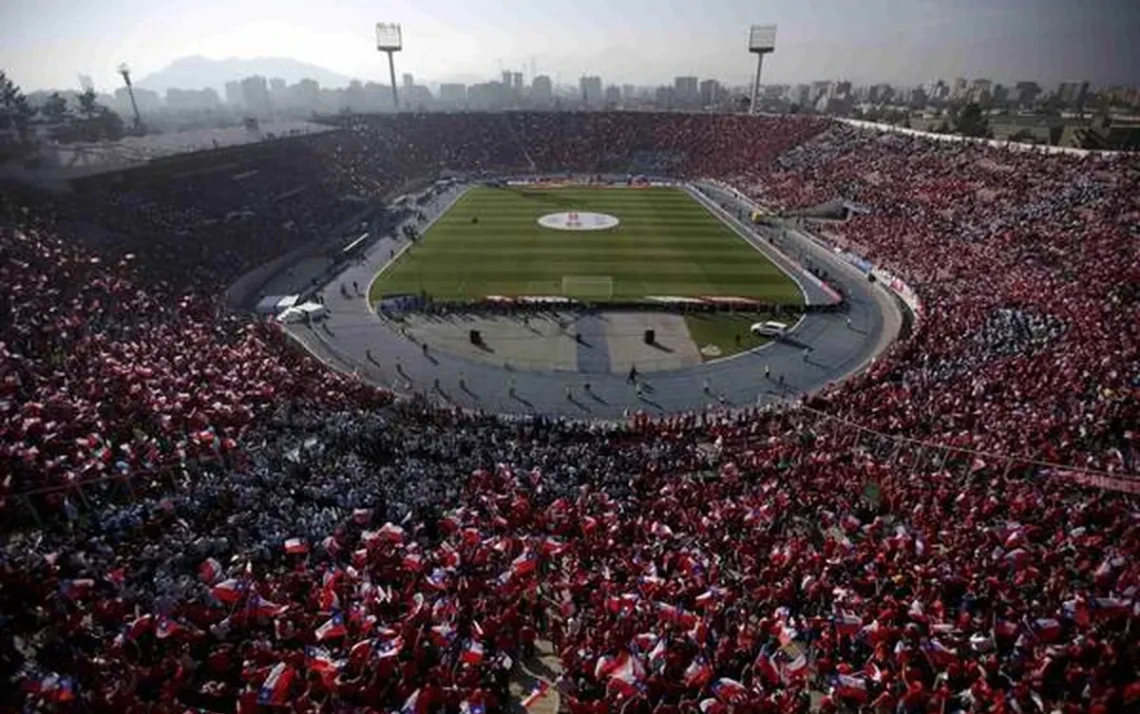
x=578 y=221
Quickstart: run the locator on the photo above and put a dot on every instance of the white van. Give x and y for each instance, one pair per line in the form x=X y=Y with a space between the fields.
x=770 y=329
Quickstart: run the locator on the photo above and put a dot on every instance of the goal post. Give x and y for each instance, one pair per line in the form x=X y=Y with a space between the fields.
x=588 y=287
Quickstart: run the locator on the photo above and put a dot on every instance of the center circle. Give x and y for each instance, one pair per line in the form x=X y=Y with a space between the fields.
x=578 y=221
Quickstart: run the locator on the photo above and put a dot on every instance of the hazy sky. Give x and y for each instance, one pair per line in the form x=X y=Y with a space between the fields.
x=45 y=43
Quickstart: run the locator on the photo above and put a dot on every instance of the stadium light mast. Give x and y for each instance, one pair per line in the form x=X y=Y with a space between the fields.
x=761 y=41
x=126 y=72
x=389 y=40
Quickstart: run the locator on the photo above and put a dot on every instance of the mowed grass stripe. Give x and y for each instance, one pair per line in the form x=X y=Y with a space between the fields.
x=666 y=244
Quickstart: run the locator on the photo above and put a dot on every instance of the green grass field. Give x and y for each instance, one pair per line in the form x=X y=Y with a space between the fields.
x=666 y=244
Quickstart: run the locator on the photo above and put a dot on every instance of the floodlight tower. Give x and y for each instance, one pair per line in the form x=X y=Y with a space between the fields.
x=761 y=41
x=390 y=41
x=126 y=72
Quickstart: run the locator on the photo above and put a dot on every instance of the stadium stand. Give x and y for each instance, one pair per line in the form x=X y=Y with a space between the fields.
x=226 y=525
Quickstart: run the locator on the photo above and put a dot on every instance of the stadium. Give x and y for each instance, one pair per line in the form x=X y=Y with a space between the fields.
x=273 y=434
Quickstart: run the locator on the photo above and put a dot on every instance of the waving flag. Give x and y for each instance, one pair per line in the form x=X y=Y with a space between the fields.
x=472 y=652
x=712 y=706
x=296 y=546
x=76 y=589
x=847 y=624
x=332 y=629
x=260 y=607
x=438 y=579
x=390 y=647
x=626 y=678
x=166 y=628
x=229 y=591
x=536 y=694
x=275 y=690
x=442 y=635
x=698 y=673
x=319 y=660
x=709 y=598
x=848 y=687
x=524 y=564
x=728 y=691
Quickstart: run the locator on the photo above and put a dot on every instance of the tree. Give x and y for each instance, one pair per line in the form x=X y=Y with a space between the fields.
x=971 y=121
x=88 y=108
x=14 y=109
x=55 y=108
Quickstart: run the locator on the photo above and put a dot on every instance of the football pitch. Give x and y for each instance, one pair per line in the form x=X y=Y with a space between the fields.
x=665 y=244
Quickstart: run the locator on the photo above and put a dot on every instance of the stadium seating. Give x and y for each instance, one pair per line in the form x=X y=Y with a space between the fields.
x=229 y=525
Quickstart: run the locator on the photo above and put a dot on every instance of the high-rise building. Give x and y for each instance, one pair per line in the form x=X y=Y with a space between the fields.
x=613 y=95
x=664 y=98
x=233 y=94
x=453 y=94
x=541 y=91
x=591 y=90
x=685 y=90
x=628 y=93
x=516 y=82
x=409 y=80
x=958 y=92
x=307 y=94
x=255 y=95
x=710 y=92
x=507 y=79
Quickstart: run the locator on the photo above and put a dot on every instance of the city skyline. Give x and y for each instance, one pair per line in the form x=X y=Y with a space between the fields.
x=46 y=43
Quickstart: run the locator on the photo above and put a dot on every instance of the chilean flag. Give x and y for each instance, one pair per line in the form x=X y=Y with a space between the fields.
x=847 y=624
x=229 y=591
x=728 y=690
x=275 y=690
x=712 y=706
x=166 y=627
x=709 y=598
x=524 y=564
x=472 y=652
x=296 y=546
x=332 y=629
x=442 y=635
x=537 y=693
x=626 y=677
x=389 y=648
x=1047 y=629
x=848 y=687
x=260 y=607
x=1109 y=607
x=698 y=673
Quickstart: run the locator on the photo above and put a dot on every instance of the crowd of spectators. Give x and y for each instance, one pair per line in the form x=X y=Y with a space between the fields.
x=254 y=531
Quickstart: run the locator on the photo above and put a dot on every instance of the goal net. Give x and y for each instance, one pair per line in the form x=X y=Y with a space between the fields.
x=588 y=287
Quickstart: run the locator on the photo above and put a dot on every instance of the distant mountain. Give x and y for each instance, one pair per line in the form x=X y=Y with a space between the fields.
x=200 y=72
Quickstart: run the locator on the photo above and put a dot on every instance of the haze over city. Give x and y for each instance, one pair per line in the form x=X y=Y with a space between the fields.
x=44 y=44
